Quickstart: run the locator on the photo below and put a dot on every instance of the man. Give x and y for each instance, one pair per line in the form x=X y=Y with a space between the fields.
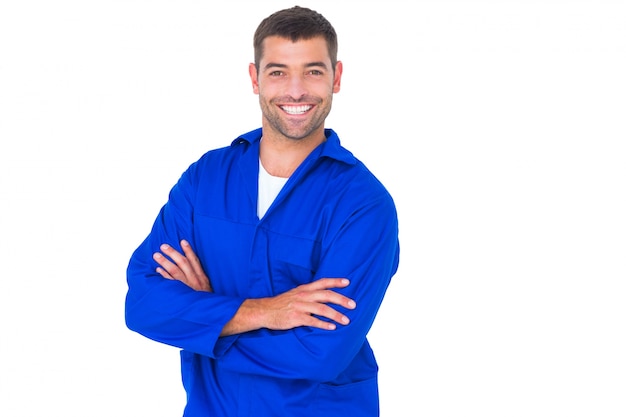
x=270 y=259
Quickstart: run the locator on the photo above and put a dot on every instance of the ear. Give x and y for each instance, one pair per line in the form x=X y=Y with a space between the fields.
x=337 y=80
x=254 y=78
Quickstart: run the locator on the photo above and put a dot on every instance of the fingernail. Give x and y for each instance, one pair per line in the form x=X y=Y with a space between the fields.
x=345 y=320
x=157 y=255
x=165 y=246
x=345 y=281
x=351 y=304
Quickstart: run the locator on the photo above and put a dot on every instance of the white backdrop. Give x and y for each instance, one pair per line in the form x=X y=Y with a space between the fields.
x=498 y=126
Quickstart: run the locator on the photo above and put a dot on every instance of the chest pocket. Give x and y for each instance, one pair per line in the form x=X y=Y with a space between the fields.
x=292 y=261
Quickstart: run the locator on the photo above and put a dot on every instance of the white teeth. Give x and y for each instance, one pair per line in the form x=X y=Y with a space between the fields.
x=296 y=109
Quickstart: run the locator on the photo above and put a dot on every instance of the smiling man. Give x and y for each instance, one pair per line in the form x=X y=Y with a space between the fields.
x=270 y=260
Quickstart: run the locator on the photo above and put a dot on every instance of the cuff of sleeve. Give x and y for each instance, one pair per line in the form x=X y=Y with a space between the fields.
x=223 y=344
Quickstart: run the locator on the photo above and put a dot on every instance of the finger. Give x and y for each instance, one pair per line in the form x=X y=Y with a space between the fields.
x=164 y=273
x=320 y=321
x=192 y=257
x=325 y=283
x=320 y=324
x=179 y=259
x=168 y=266
x=333 y=297
x=200 y=276
x=324 y=296
x=191 y=272
x=323 y=310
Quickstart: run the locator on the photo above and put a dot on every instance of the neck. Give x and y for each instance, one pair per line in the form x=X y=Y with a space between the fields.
x=281 y=156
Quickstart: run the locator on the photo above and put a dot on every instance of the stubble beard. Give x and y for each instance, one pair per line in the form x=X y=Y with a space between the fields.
x=289 y=128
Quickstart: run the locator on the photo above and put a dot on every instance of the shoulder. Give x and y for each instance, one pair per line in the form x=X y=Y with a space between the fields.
x=348 y=172
x=226 y=155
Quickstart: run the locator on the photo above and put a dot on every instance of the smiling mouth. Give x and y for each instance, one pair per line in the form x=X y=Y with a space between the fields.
x=296 y=109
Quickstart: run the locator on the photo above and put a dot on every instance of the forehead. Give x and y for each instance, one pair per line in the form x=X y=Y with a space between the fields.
x=284 y=51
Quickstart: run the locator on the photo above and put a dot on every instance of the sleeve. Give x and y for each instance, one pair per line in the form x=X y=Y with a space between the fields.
x=168 y=311
x=367 y=252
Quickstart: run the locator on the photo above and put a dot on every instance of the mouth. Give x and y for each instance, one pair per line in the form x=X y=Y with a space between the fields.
x=295 y=110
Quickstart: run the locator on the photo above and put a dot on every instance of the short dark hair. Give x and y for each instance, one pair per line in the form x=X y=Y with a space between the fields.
x=296 y=23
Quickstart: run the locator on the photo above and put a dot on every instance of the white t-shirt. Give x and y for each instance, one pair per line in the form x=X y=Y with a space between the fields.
x=269 y=187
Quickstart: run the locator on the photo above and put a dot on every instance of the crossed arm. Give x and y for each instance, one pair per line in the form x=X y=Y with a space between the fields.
x=300 y=306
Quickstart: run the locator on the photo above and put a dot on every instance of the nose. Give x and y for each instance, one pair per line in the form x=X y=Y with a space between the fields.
x=296 y=86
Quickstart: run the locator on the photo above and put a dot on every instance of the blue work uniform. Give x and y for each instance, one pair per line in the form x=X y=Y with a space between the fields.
x=332 y=218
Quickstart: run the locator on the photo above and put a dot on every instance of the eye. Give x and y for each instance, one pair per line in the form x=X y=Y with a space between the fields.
x=316 y=72
x=276 y=73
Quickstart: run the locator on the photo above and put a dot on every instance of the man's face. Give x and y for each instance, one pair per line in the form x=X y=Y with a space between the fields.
x=295 y=83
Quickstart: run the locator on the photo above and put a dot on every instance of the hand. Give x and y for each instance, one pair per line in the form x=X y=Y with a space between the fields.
x=184 y=268
x=294 y=308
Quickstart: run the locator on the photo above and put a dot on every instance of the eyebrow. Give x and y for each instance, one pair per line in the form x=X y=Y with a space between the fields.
x=309 y=65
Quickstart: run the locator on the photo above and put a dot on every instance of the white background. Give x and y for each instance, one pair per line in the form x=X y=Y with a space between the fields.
x=498 y=126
